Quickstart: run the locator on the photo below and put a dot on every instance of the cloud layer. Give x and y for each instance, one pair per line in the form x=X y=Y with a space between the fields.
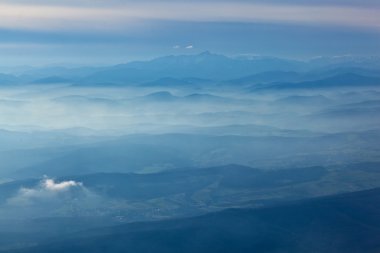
x=132 y=15
x=110 y=32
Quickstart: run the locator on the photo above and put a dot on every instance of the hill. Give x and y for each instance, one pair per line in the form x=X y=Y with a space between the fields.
x=341 y=223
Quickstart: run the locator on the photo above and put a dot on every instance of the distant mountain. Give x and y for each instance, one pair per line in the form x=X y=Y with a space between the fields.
x=200 y=69
x=144 y=187
x=343 y=223
x=147 y=153
x=167 y=97
x=51 y=80
x=297 y=100
x=245 y=130
x=11 y=140
x=198 y=190
x=163 y=96
x=71 y=73
x=176 y=82
x=329 y=71
x=368 y=109
x=198 y=97
x=191 y=182
x=6 y=79
x=202 y=66
x=267 y=77
x=159 y=96
x=363 y=104
x=346 y=61
x=350 y=113
x=74 y=100
x=337 y=81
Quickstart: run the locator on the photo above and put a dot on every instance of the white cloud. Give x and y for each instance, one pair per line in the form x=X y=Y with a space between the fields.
x=50 y=185
x=51 y=198
x=47 y=190
x=190 y=47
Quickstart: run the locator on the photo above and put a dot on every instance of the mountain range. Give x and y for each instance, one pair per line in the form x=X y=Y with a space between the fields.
x=206 y=69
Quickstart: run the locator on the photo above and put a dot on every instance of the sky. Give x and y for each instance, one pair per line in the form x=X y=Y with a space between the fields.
x=102 y=32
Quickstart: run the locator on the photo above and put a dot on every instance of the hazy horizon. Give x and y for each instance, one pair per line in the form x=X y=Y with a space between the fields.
x=110 y=32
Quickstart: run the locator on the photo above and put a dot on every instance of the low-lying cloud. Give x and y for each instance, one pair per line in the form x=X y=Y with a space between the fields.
x=51 y=185
x=50 y=198
x=46 y=191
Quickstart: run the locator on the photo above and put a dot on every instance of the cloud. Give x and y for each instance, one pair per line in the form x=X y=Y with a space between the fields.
x=51 y=198
x=131 y=14
x=186 y=47
x=50 y=185
x=46 y=191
